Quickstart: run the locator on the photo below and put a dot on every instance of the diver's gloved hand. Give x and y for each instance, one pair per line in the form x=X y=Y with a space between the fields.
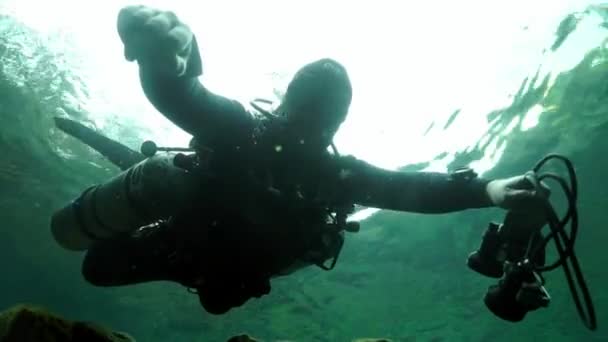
x=155 y=39
x=517 y=192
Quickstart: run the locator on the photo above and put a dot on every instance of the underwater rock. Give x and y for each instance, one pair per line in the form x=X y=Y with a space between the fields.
x=242 y=338
x=247 y=338
x=23 y=323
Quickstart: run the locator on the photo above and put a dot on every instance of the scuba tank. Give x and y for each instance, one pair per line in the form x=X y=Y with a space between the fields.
x=148 y=191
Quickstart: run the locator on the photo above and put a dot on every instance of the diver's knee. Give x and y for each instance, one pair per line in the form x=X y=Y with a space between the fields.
x=96 y=269
x=91 y=273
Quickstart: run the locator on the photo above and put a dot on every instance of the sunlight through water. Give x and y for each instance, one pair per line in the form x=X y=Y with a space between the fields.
x=412 y=63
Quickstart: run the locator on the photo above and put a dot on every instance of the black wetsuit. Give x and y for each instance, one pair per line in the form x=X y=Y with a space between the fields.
x=240 y=249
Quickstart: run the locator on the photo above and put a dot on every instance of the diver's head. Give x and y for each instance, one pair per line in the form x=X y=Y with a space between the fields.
x=316 y=103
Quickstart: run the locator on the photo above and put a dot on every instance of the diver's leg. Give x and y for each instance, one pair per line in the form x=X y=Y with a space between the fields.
x=117 y=153
x=149 y=255
x=178 y=251
x=127 y=261
x=115 y=262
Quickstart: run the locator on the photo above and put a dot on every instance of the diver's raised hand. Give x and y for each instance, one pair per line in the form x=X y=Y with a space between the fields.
x=156 y=39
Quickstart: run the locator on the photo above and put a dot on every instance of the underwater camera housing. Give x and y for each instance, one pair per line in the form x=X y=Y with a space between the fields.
x=515 y=252
x=503 y=254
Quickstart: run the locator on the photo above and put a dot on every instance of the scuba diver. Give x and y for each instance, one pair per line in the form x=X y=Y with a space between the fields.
x=256 y=196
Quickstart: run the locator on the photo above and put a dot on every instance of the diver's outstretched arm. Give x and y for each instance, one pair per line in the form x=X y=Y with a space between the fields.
x=432 y=192
x=169 y=66
x=117 y=153
x=421 y=192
